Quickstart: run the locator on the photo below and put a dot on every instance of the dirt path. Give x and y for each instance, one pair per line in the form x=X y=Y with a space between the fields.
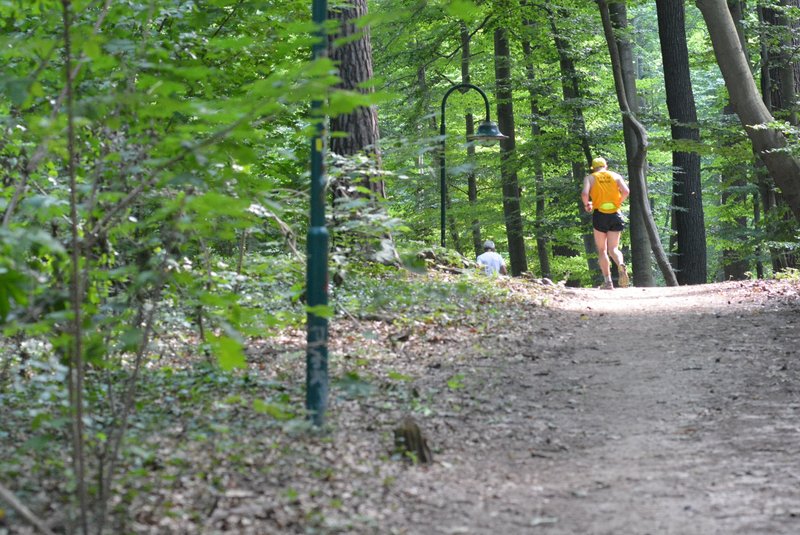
x=637 y=411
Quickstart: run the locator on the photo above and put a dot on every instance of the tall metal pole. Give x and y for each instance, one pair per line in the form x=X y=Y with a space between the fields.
x=317 y=251
x=443 y=177
x=442 y=174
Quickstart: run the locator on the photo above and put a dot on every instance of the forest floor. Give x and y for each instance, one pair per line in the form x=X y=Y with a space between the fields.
x=637 y=411
x=557 y=411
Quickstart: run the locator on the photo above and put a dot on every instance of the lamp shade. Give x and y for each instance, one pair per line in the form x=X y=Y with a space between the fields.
x=487 y=131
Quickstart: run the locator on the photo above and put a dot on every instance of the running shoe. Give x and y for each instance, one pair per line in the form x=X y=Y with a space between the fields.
x=624 y=281
x=608 y=285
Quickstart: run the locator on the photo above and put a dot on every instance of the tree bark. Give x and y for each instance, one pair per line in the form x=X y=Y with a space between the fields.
x=472 y=183
x=779 y=93
x=688 y=218
x=570 y=89
x=641 y=154
x=640 y=243
x=77 y=365
x=734 y=178
x=508 y=168
x=536 y=132
x=779 y=66
x=355 y=69
x=769 y=143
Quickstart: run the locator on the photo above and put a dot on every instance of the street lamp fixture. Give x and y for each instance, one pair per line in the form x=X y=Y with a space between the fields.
x=487 y=132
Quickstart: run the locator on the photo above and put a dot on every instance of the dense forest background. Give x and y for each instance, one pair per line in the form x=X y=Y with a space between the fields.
x=155 y=166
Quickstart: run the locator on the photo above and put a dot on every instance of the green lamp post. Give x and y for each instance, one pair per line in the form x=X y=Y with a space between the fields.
x=487 y=132
x=317 y=252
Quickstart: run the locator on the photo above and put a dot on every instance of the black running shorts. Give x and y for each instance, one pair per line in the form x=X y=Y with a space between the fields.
x=608 y=222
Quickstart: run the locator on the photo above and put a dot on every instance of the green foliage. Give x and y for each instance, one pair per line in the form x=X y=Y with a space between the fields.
x=791 y=274
x=456 y=382
x=190 y=146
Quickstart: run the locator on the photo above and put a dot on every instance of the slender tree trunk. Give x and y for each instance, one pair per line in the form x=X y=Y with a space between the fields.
x=536 y=132
x=76 y=291
x=570 y=89
x=641 y=257
x=779 y=63
x=687 y=200
x=641 y=136
x=508 y=168
x=767 y=142
x=472 y=183
x=779 y=92
x=355 y=69
x=734 y=177
x=756 y=223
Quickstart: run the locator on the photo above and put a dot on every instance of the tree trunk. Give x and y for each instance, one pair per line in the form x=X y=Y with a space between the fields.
x=355 y=69
x=641 y=137
x=779 y=91
x=753 y=114
x=734 y=177
x=508 y=168
x=779 y=67
x=690 y=256
x=640 y=244
x=571 y=92
x=536 y=132
x=472 y=183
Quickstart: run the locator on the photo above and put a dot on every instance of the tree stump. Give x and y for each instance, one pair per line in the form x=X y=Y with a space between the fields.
x=411 y=443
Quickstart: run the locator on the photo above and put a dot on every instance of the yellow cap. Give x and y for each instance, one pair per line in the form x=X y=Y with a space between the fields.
x=597 y=163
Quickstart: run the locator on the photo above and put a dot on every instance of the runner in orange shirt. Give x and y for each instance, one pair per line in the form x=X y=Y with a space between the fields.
x=607 y=191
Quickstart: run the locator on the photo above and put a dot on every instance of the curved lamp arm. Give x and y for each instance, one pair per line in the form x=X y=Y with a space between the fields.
x=464 y=86
x=487 y=131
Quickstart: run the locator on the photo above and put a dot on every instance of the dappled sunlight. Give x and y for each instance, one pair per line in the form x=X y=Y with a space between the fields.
x=717 y=298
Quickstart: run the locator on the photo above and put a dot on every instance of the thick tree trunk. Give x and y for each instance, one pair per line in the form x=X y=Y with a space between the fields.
x=508 y=168
x=536 y=132
x=355 y=68
x=640 y=243
x=472 y=183
x=753 y=114
x=688 y=219
x=641 y=155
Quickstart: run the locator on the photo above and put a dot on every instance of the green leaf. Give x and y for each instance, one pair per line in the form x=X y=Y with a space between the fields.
x=229 y=352
x=396 y=376
x=17 y=90
x=279 y=411
x=456 y=382
x=11 y=287
x=465 y=10
x=92 y=49
x=321 y=311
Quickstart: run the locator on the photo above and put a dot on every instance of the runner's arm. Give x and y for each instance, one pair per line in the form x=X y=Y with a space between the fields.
x=624 y=190
x=587 y=186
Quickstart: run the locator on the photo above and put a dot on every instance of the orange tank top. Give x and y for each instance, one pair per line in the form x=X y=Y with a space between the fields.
x=605 y=192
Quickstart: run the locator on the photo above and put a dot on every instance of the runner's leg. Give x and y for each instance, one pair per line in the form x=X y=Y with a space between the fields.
x=600 y=241
x=613 y=247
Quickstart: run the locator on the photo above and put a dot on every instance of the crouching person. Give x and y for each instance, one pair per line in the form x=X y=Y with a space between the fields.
x=492 y=262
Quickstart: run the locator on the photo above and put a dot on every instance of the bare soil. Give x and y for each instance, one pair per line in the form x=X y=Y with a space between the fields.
x=633 y=411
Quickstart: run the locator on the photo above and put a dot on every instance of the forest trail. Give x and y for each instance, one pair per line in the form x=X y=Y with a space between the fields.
x=637 y=411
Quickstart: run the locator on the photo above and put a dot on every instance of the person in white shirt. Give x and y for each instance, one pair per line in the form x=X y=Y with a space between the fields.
x=492 y=262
